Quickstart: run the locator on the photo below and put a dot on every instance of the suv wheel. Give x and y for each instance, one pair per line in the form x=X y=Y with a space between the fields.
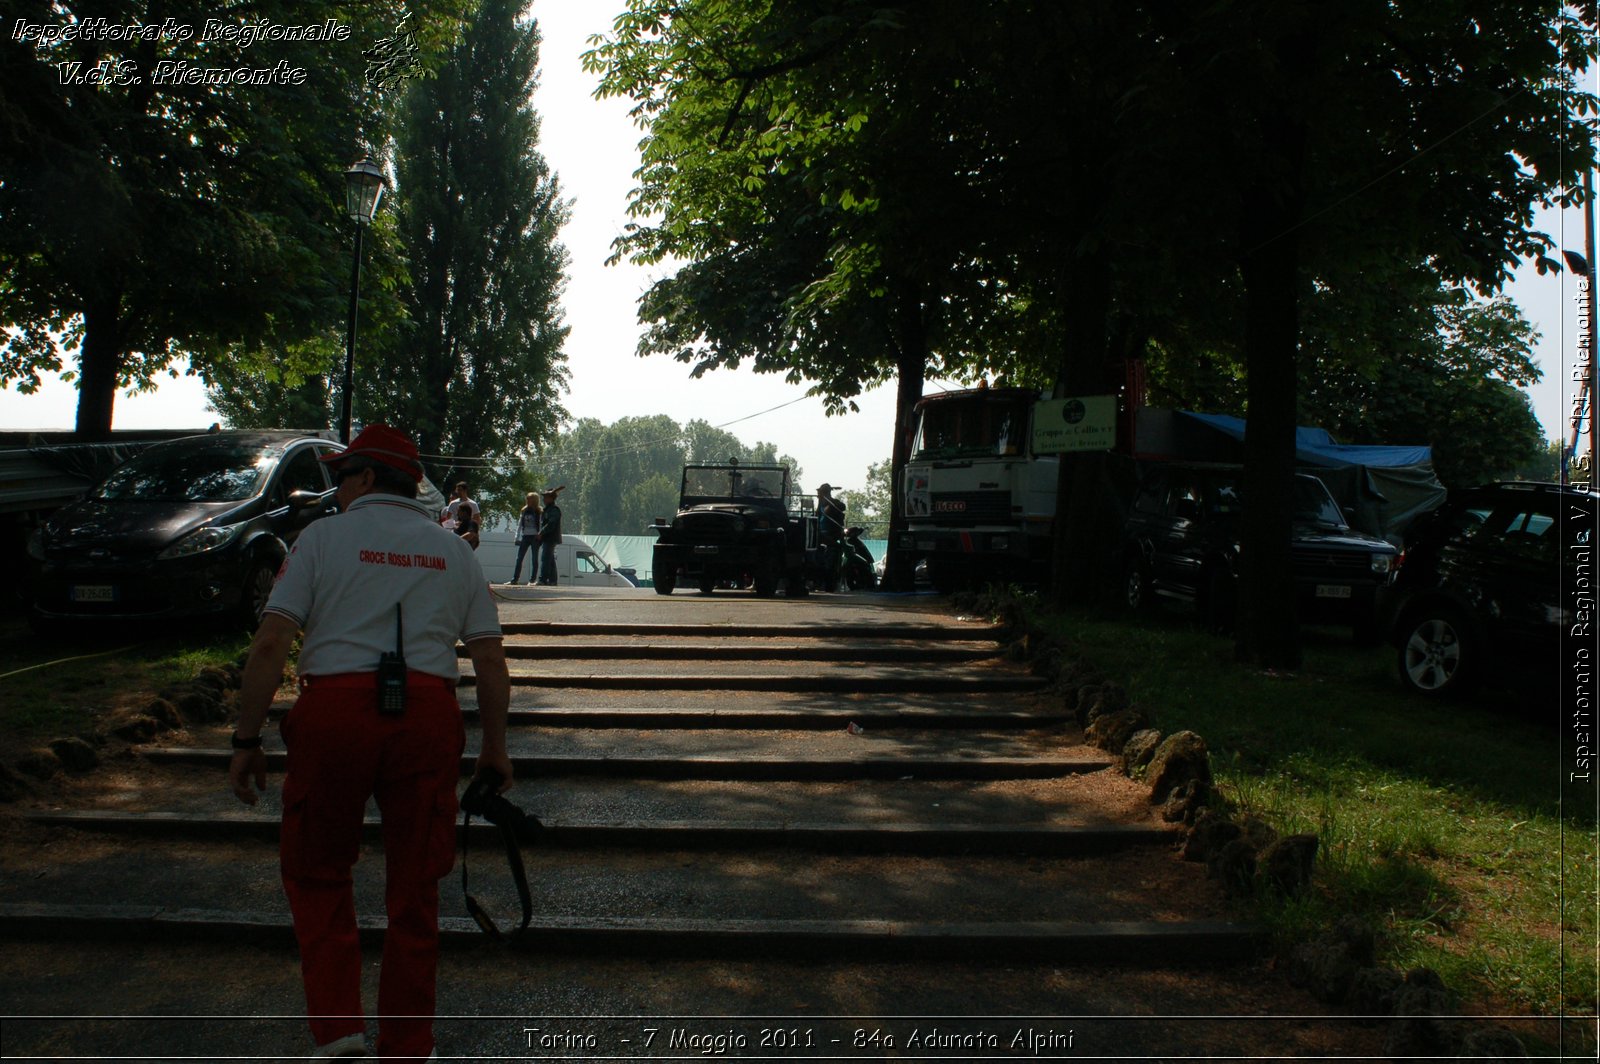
x=1435 y=653
x=665 y=581
x=708 y=583
x=1136 y=586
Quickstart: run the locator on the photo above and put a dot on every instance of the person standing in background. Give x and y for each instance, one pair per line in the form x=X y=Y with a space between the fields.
x=528 y=539
x=448 y=515
x=549 y=538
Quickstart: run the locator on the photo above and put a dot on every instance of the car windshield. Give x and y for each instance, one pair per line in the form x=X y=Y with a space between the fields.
x=735 y=483
x=212 y=474
x=1313 y=504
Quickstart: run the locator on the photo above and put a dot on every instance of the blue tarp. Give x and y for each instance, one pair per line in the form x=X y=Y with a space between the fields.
x=1315 y=446
x=1381 y=488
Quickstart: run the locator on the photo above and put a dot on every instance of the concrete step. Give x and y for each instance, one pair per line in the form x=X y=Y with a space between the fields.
x=1067 y=944
x=756 y=718
x=923 y=839
x=744 y=630
x=645 y=900
x=180 y=789
x=836 y=678
x=713 y=767
x=701 y=650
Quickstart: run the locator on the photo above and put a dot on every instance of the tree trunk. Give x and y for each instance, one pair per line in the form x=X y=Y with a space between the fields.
x=1268 y=630
x=98 y=361
x=1079 y=543
x=911 y=369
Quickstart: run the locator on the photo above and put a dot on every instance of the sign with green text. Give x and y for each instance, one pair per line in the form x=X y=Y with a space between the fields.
x=1086 y=423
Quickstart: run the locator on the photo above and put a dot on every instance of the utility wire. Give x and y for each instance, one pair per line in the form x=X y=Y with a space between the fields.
x=484 y=462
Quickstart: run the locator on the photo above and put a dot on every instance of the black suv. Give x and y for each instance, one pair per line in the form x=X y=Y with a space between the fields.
x=734 y=526
x=1182 y=540
x=193 y=526
x=1489 y=583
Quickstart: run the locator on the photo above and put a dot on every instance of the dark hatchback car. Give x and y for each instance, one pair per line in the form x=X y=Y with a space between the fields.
x=1182 y=541
x=1485 y=589
x=189 y=527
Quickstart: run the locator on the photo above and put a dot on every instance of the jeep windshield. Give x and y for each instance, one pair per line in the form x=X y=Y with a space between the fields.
x=724 y=482
x=975 y=425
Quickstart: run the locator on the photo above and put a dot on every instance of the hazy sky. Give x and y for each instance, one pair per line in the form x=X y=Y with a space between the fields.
x=592 y=147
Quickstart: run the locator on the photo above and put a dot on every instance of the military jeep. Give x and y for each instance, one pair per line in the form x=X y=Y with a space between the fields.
x=734 y=528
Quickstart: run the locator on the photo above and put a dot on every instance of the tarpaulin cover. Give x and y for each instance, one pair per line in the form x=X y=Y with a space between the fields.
x=1382 y=488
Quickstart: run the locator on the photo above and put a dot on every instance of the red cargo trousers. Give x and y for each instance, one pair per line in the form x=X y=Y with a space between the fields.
x=341 y=751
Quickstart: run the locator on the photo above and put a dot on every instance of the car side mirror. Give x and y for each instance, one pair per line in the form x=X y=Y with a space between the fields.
x=301 y=499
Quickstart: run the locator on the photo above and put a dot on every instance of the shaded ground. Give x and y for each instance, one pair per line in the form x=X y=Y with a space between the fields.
x=188 y=1001
x=83 y=1000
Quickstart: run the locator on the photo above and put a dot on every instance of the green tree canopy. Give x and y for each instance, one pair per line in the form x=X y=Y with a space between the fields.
x=481 y=366
x=151 y=209
x=1396 y=358
x=619 y=478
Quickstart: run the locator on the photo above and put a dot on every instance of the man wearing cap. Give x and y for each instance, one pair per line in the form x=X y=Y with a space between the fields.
x=830 y=530
x=549 y=538
x=351 y=580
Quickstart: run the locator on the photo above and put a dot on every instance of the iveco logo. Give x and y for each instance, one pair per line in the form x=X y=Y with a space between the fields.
x=99 y=555
x=950 y=505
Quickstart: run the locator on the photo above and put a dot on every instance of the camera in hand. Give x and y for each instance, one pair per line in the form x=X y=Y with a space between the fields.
x=482 y=799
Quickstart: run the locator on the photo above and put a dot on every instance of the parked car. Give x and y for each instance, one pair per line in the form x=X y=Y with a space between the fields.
x=1479 y=594
x=189 y=527
x=577 y=563
x=1182 y=541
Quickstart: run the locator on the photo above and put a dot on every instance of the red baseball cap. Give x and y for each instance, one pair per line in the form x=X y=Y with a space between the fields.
x=382 y=443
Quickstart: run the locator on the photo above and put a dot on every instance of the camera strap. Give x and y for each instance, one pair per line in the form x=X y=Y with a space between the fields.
x=478 y=913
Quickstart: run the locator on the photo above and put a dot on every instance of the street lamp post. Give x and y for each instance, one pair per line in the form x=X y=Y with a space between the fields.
x=364 y=185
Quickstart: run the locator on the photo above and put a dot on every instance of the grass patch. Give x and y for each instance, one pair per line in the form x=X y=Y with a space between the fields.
x=1445 y=824
x=55 y=687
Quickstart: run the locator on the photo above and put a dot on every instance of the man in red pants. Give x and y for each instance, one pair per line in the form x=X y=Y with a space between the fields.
x=351 y=581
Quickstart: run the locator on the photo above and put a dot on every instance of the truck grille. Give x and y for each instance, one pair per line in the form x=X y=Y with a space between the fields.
x=970 y=507
x=1324 y=564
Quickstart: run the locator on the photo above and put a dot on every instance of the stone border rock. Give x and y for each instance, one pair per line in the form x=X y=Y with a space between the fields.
x=209 y=698
x=1247 y=856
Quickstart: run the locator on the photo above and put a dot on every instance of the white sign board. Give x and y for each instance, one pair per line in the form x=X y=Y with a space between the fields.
x=1086 y=423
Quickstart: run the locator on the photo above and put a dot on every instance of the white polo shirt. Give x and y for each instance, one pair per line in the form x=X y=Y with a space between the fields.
x=347 y=572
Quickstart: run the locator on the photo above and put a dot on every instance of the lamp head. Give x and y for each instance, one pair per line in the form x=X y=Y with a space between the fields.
x=363 y=188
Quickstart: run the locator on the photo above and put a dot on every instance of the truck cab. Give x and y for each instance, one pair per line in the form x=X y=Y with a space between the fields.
x=979 y=505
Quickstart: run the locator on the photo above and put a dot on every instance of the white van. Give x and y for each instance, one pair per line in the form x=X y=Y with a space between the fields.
x=577 y=563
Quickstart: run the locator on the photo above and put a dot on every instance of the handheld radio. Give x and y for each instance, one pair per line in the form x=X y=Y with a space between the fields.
x=392 y=674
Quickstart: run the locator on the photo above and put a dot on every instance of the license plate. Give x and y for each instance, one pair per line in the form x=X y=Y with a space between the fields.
x=705 y=550
x=93 y=593
x=1337 y=591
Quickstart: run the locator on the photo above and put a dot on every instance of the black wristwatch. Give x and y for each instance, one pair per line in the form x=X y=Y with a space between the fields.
x=245 y=744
